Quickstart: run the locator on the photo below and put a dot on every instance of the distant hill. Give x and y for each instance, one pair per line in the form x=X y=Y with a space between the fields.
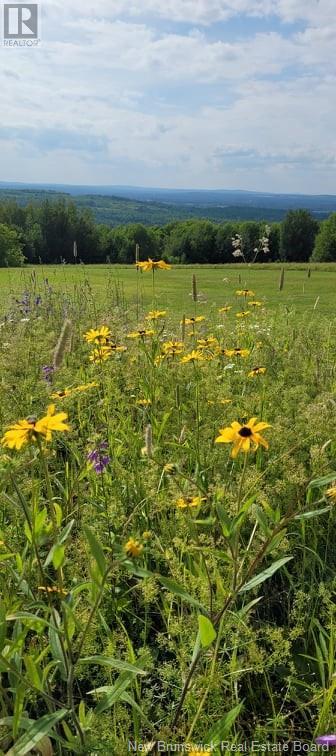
x=118 y=205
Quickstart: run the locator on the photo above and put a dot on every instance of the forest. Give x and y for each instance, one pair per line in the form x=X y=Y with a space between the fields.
x=58 y=231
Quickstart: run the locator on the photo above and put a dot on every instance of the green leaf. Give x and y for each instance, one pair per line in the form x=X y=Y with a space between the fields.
x=58 y=556
x=66 y=531
x=224 y=520
x=265 y=575
x=4 y=557
x=206 y=630
x=223 y=727
x=36 y=732
x=179 y=591
x=96 y=550
x=118 y=664
x=319 y=482
x=113 y=692
x=313 y=513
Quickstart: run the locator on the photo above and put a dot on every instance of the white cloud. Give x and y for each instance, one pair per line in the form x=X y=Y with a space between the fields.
x=122 y=100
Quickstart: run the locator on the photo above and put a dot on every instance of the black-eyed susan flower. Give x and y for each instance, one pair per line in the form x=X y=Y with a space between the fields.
x=195 y=356
x=244 y=438
x=97 y=335
x=243 y=314
x=133 y=548
x=117 y=348
x=156 y=314
x=150 y=264
x=331 y=492
x=237 y=352
x=142 y=333
x=227 y=308
x=62 y=394
x=207 y=343
x=19 y=434
x=143 y=402
x=86 y=386
x=170 y=348
x=257 y=371
x=65 y=393
x=101 y=354
x=28 y=431
x=254 y=303
x=170 y=468
x=52 y=422
x=245 y=293
x=186 y=502
x=192 y=321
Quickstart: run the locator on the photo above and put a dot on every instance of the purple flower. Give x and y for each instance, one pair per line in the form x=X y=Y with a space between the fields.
x=98 y=457
x=48 y=371
x=326 y=740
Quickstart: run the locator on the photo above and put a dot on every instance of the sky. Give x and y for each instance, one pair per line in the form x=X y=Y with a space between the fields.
x=217 y=94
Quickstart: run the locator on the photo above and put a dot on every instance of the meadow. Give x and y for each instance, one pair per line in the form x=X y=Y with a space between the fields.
x=167 y=519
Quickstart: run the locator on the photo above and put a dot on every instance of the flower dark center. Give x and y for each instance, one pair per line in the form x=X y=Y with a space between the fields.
x=245 y=432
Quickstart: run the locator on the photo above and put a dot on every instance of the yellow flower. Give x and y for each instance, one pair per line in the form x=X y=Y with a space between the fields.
x=237 y=352
x=86 y=386
x=142 y=333
x=194 y=356
x=172 y=347
x=98 y=335
x=243 y=314
x=331 y=492
x=242 y=436
x=170 y=468
x=207 y=343
x=192 y=321
x=227 y=308
x=156 y=314
x=225 y=401
x=257 y=371
x=62 y=394
x=245 y=293
x=147 y=534
x=254 y=304
x=27 y=431
x=143 y=402
x=153 y=265
x=116 y=348
x=185 y=502
x=101 y=354
x=19 y=434
x=51 y=422
x=133 y=548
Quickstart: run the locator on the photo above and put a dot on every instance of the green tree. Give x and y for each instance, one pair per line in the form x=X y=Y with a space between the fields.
x=10 y=247
x=325 y=245
x=225 y=233
x=298 y=233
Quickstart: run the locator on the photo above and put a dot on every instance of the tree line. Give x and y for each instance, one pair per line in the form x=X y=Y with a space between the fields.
x=60 y=232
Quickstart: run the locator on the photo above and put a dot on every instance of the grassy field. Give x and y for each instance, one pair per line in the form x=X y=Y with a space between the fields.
x=216 y=284
x=167 y=509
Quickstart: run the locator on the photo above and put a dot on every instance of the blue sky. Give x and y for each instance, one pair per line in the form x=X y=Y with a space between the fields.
x=174 y=93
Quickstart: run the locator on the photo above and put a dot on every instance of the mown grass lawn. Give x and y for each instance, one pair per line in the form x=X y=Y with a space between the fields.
x=216 y=283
